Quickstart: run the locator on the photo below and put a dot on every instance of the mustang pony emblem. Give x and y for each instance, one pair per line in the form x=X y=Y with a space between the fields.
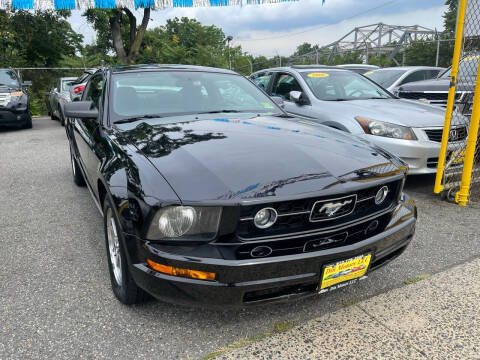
x=332 y=208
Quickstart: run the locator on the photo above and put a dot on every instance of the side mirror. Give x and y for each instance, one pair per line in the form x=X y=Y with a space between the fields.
x=55 y=90
x=27 y=83
x=278 y=100
x=297 y=97
x=81 y=110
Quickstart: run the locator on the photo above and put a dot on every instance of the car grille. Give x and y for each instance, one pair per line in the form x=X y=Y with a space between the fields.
x=341 y=237
x=294 y=217
x=463 y=99
x=4 y=99
x=437 y=98
x=456 y=134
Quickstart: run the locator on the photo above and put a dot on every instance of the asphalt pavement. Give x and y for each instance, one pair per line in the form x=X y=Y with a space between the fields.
x=55 y=297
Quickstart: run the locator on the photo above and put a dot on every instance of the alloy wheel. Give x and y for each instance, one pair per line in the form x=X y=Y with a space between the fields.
x=114 y=247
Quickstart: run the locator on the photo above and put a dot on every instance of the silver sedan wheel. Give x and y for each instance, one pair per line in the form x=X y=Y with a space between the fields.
x=114 y=247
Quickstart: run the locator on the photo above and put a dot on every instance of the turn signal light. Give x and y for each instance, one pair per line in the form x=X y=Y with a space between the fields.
x=174 y=271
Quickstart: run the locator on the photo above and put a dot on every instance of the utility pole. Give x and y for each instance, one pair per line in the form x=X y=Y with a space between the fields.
x=438 y=48
x=229 y=38
x=251 y=64
x=316 y=56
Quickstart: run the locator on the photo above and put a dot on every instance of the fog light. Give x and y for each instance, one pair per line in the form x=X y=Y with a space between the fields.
x=174 y=271
x=265 y=218
x=381 y=195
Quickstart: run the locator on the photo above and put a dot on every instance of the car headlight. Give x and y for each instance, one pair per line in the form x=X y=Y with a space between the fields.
x=385 y=129
x=185 y=223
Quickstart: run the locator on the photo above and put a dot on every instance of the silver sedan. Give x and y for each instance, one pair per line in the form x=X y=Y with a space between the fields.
x=393 y=77
x=350 y=102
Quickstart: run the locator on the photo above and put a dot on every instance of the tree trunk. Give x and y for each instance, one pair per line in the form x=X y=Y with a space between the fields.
x=136 y=35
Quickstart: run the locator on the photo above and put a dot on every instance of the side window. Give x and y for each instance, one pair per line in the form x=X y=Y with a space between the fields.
x=284 y=83
x=94 y=90
x=262 y=80
x=432 y=74
x=415 y=76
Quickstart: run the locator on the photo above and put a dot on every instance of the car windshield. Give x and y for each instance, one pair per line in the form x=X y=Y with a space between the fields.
x=9 y=78
x=340 y=85
x=385 y=77
x=466 y=69
x=66 y=84
x=171 y=93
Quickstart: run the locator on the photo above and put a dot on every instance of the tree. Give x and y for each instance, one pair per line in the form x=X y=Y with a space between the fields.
x=450 y=17
x=186 y=41
x=117 y=30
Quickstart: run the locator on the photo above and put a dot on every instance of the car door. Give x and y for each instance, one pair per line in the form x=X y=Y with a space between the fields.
x=283 y=83
x=87 y=131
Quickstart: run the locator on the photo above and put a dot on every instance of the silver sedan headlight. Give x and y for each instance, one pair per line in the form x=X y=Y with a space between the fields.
x=385 y=129
x=185 y=223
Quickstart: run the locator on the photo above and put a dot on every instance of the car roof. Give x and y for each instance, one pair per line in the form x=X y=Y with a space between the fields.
x=153 y=67
x=358 y=66
x=411 y=68
x=302 y=68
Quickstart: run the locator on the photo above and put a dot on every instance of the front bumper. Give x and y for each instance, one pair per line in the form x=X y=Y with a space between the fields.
x=13 y=117
x=421 y=155
x=254 y=281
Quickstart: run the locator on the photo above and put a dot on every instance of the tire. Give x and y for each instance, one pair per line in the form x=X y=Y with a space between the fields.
x=123 y=286
x=28 y=123
x=76 y=172
x=62 y=118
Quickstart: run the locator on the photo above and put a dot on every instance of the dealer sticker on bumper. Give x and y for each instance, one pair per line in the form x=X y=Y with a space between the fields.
x=346 y=270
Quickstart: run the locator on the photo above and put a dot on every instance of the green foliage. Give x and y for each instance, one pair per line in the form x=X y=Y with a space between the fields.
x=37 y=39
x=450 y=17
x=381 y=60
x=186 y=41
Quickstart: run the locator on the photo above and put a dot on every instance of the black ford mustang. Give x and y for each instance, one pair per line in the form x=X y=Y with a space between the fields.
x=212 y=195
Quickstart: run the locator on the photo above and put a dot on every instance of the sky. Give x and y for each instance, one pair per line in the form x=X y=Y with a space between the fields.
x=272 y=29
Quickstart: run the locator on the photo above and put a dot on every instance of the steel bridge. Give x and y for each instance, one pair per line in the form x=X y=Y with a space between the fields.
x=376 y=39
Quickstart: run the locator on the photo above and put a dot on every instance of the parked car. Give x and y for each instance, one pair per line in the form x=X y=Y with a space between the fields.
x=78 y=85
x=14 y=101
x=351 y=102
x=435 y=91
x=359 y=68
x=211 y=194
x=393 y=77
x=58 y=97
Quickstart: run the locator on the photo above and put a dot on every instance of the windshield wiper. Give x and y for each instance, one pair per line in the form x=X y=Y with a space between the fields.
x=137 y=118
x=340 y=99
x=220 y=111
x=282 y=115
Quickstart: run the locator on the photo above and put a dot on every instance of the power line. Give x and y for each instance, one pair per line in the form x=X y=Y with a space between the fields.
x=322 y=26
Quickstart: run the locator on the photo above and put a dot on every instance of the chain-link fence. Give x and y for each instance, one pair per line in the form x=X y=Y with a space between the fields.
x=458 y=175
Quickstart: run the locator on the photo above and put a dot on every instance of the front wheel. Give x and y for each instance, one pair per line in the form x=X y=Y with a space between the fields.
x=123 y=286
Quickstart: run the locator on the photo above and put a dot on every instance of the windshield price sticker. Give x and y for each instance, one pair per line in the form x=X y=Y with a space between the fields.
x=317 y=75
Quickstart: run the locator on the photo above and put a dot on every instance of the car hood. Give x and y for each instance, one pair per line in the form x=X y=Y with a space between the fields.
x=464 y=84
x=248 y=159
x=396 y=111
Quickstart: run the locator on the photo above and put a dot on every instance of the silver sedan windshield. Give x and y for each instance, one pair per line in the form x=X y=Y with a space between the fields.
x=334 y=85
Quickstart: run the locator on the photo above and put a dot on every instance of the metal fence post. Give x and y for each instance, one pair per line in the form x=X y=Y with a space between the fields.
x=461 y=197
x=451 y=95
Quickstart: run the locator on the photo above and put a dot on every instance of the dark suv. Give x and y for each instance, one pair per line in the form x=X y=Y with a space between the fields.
x=435 y=91
x=14 y=102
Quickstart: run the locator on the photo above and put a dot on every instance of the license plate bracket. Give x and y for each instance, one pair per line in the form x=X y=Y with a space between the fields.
x=344 y=272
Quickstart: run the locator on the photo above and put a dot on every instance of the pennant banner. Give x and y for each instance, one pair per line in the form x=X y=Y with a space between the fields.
x=111 y=4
